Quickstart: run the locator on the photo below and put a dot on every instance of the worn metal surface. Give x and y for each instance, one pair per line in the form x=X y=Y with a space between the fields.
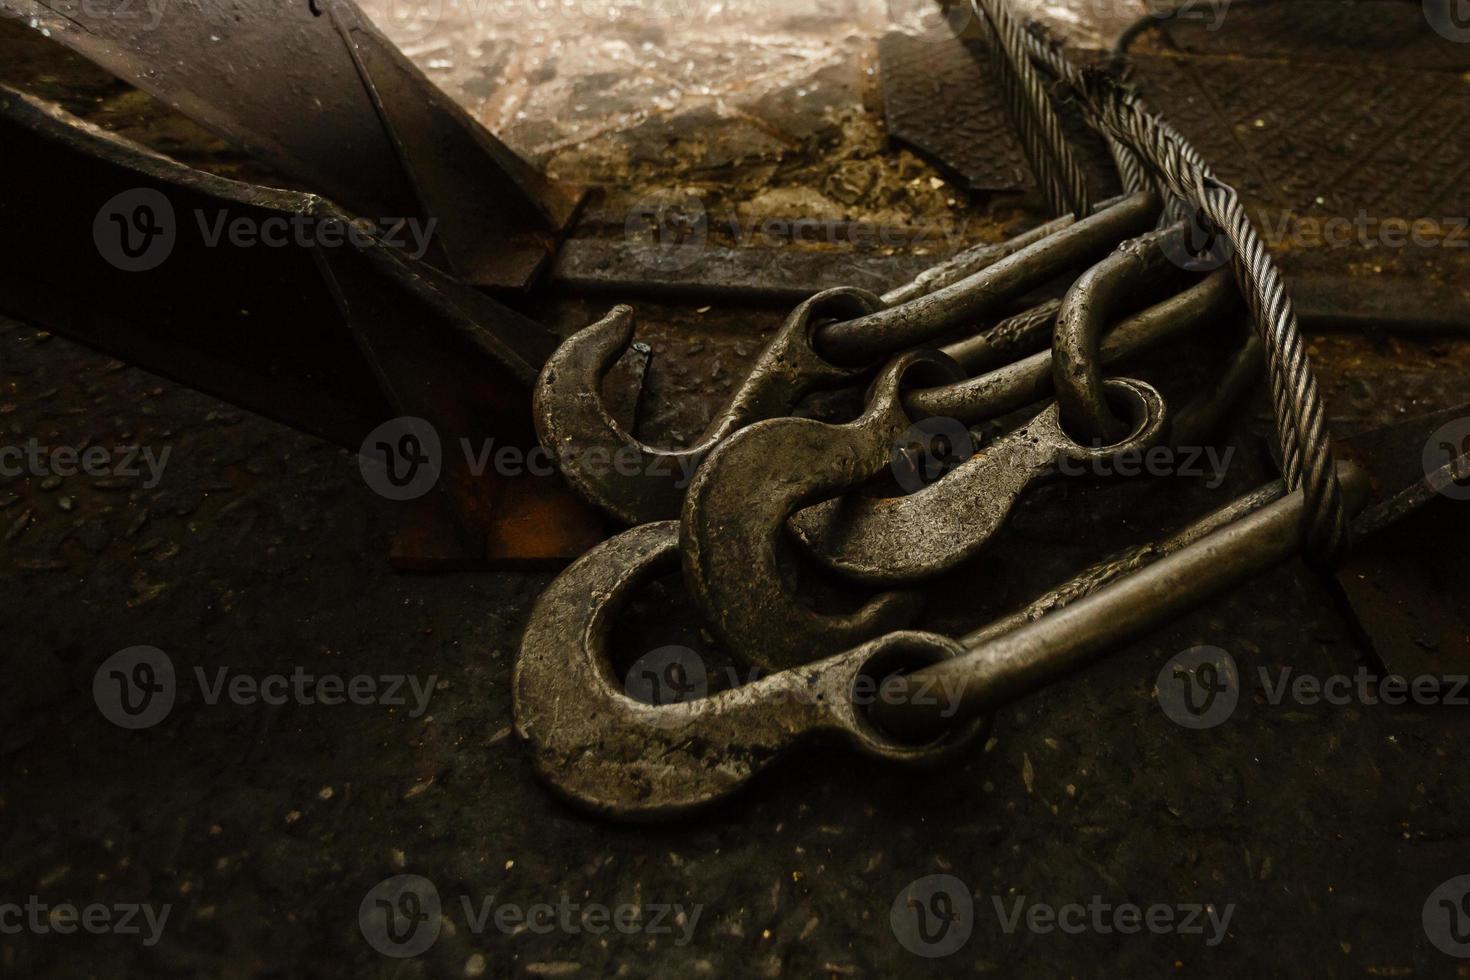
x=959 y=304
x=604 y=750
x=1091 y=301
x=318 y=93
x=638 y=483
x=329 y=349
x=635 y=482
x=891 y=540
x=733 y=524
x=1013 y=664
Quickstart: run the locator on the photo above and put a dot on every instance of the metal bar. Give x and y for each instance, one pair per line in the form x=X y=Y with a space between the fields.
x=1028 y=658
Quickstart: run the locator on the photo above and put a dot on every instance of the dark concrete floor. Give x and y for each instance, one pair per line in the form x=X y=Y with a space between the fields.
x=1324 y=829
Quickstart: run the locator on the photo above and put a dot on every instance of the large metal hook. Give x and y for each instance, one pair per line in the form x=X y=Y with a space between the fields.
x=606 y=751
x=733 y=526
x=648 y=483
x=908 y=697
x=897 y=540
x=736 y=512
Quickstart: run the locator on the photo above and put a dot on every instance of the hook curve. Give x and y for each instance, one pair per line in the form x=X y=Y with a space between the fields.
x=607 y=752
x=733 y=525
x=639 y=483
x=895 y=540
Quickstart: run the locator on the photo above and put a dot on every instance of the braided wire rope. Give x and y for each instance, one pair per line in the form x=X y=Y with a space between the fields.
x=1063 y=183
x=1116 y=110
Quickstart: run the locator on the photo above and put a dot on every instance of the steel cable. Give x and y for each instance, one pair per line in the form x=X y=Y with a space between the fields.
x=1117 y=112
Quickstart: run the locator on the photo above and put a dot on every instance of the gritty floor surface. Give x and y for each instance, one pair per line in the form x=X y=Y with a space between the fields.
x=1314 y=834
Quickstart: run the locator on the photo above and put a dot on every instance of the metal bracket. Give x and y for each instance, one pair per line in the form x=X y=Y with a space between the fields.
x=317 y=92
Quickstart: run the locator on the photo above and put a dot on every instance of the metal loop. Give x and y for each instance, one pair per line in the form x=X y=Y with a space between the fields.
x=1085 y=312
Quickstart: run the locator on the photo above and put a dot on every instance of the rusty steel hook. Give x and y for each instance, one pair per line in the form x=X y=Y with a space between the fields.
x=899 y=540
x=604 y=750
x=907 y=697
x=576 y=426
x=735 y=514
x=578 y=429
x=737 y=510
x=1076 y=364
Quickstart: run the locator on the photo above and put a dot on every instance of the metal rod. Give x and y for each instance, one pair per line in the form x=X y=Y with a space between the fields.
x=960 y=303
x=978 y=257
x=1030 y=657
x=1029 y=380
x=1106 y=572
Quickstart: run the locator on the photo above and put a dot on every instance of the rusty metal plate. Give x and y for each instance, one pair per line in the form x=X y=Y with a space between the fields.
x=941 y=97
x=1312 y=30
